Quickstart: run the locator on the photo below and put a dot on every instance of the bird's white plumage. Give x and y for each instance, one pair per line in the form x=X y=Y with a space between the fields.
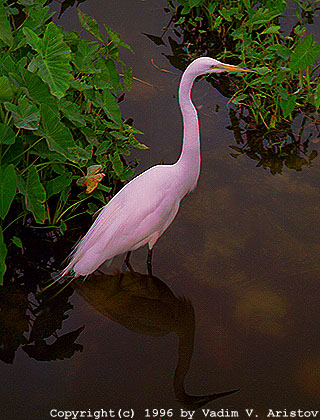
x=146 y=206
x=134 y=217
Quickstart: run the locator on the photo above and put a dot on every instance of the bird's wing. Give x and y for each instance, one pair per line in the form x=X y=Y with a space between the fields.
x=94 y=235
x=140 y=210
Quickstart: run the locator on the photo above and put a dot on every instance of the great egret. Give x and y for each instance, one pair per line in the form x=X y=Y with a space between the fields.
x=144 y=208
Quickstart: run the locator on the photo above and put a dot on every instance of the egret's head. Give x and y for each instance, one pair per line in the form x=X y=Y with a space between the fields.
x=207 y=65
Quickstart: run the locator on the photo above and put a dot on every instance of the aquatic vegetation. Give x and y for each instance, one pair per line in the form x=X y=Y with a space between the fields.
x=265 y=36
x=252 y=34
x=59 y=117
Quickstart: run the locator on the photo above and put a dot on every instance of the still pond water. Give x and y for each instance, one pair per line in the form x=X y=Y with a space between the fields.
x=243 y=252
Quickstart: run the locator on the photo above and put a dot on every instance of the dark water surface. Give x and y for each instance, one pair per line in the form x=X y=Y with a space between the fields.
x=244 y=250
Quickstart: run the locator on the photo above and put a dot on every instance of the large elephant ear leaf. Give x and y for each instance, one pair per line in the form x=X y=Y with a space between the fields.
x=8 y=186
x=5 y=31
x=34 y=194
x=53 y=58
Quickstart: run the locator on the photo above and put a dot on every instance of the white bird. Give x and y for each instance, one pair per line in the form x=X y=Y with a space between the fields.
x=144 y=208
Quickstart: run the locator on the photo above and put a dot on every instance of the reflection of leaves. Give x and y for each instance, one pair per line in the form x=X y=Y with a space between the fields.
x=276 y=153
x=68 y=3
x=65 y=5
x=179 y=59
x=50 y=316
x=155 y=39
x=64 y=347
x=45 y=313
x=13 y=321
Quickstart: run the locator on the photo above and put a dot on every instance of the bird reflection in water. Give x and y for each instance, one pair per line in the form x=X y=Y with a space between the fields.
x=145 y=305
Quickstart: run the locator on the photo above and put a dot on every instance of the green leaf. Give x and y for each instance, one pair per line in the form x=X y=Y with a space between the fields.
x=262 y=70
x=34 y=194
x=14 y=153
x=83 y=154
x=317 y=97
x=299 y=30
x=107 y=101
x=16 y=241
x=288 y=105
x=240 y=33
x=38 y=90
x=128 y=79
x=79 y=85
x=26 y=2
x=283 y=93
x=281 y=50
x=135 y=143
x=104 y=188
x=5 y=31
x=90 y=25
x=57 y=184
x=104 y=146
x=3 y=254
x=304 y=54
x=114 y=77
x=238 y=99
x=7 y=135
x=6 y=92
x=271 y=30
x=8 y=187
x=117 y=164
x=115 y=37
x=53 y=59
x=85 y=56
x=194 y=3
x=71 y=111
x=32 y=39
x=7 y=62
x=37 y=17
x=58 y=137
x=101 y=80
x=126 y=174
x=265 y=15
x=25 y=115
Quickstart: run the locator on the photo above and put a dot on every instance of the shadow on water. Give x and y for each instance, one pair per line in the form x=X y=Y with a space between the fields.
x=146 y=305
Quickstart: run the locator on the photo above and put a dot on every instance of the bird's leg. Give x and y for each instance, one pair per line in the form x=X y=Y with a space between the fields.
x=127 y=261
x=149 y=262
x=126 y=265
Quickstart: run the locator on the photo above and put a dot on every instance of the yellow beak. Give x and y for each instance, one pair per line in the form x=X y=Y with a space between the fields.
x=230 y=67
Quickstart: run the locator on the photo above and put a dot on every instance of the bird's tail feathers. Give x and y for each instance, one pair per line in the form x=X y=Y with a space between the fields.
x=91 y=239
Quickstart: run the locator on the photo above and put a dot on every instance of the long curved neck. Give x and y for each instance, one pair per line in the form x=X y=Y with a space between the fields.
x=189 y=161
